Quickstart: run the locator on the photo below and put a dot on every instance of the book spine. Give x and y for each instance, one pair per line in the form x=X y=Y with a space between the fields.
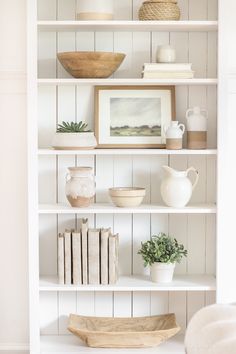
x=167 y=67
x=104 y=255
x=84 y=240
x=67 y=236
x=183 y=75
x=60 y=259
x=94 y=256
x=117 y=257
x=113 y=259
x=76 y=258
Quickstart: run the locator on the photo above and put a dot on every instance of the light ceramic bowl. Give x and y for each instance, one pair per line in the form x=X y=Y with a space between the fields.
x=74 y=141
x=90 y=64
x=127 y=197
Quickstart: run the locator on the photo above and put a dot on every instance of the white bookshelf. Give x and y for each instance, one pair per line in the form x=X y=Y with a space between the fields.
x=55 y=96
x=97 y=152
x=128 y=26
x=108 y=208
x=137 y=283
x=129 y=81
x=69 y=344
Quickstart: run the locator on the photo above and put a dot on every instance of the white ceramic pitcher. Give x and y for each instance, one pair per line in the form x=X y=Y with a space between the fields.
x=176 y=187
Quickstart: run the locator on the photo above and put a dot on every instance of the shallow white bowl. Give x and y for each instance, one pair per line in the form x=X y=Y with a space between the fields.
x=126 y=197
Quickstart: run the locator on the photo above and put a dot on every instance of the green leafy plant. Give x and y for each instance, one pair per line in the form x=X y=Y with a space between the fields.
x=162 y=248
x=72 y=127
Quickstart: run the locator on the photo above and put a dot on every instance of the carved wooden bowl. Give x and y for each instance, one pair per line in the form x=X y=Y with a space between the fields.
x=90 y=64
x=136 y=332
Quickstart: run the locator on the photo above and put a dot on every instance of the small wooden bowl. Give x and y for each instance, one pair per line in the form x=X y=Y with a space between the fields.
x=136 y=332
x=127 y=197
x=90 y=64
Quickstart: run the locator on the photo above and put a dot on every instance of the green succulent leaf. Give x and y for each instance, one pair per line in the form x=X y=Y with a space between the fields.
x=162 y=248
x=72 y=127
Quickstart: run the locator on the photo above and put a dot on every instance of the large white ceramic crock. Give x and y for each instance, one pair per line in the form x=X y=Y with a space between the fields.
x=176 y=187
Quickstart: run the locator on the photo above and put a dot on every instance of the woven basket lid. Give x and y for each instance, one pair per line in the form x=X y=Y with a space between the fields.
x=165 y=1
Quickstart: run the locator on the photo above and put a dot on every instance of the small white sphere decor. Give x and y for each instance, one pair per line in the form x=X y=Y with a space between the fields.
x=161 y=254
x=212 y=330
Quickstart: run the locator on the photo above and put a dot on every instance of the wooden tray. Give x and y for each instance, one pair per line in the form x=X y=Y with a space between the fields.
x=136 y=332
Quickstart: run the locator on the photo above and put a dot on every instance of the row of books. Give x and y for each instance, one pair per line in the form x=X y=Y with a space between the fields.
x=167 y=71
x=88 y=256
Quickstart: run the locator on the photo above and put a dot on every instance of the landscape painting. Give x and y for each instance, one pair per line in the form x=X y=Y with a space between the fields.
x=135 y=117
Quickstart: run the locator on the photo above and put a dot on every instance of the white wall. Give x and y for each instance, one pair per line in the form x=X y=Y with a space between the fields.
x=13 y=174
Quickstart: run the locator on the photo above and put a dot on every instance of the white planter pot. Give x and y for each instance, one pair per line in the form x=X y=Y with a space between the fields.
x=162 y=272
x=74 y=141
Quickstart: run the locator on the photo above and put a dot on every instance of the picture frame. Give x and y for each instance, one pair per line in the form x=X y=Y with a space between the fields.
x=133 y=116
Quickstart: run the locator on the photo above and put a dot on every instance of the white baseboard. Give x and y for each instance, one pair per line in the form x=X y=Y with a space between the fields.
x=13 y=347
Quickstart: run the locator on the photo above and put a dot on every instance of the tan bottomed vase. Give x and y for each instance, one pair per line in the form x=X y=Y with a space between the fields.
x=197 y=140
x=174 y=144
x=90 y=16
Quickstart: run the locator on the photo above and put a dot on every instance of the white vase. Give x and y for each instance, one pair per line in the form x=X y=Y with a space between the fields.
x=196 y=128
x=80 y=186
x=165 y=54
x=174 y=135
x=94 y=9
x=176 y=187
x=74 y=141
x=162 y=272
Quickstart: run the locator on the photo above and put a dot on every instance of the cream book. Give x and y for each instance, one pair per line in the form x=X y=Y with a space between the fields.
x=168 y=75
x=60 y=259
x=104 y=255
x=167 y=67
x=113 y=258
x=84 y=241
x=76 y=258
x=94 y=256
x=67 y=243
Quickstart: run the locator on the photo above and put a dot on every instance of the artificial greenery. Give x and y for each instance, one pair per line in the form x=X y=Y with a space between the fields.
x=162 y=248
x=66 y=127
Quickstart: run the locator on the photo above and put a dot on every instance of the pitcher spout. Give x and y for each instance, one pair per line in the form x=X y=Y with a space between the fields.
x=169 y=170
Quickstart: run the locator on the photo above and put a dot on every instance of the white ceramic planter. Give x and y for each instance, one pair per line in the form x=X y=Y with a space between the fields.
x=74 y=141
x=162 y=272
x=94 y=9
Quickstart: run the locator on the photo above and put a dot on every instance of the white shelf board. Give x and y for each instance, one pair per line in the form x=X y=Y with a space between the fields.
x=66 y=344
x=102 y=208
x=127 y=81
x=137 y=283
x=127 y=152
x=127 y=26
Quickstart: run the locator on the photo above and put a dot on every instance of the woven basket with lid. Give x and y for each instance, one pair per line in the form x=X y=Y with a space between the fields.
x=162 y=10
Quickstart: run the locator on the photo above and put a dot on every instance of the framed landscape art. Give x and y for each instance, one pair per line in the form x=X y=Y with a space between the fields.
x=133 y=116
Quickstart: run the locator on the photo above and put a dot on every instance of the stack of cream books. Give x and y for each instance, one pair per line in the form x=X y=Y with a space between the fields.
x=167 y=71
x=88 y=256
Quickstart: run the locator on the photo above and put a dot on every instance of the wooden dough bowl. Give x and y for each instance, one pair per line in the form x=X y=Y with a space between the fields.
x=136 y=332
x=90 y=64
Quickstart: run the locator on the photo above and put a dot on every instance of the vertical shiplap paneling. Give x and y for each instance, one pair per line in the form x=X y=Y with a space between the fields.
x=46 y=55
x=123 y=10
x=136 y=6
x=122 y=304
x=123 y=44
x=103 y=304
x=48 y=313
x=212 y=10
x=66 y=306
x=159 y=303
x=184 y=9
x=141 y=52
x=66 y=10
x=47 y=10
x=85 y=303
x=198 y=10
x=178 y=305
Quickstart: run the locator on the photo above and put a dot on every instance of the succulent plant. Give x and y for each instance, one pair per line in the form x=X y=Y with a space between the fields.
x=72 y=127
x=162 y=248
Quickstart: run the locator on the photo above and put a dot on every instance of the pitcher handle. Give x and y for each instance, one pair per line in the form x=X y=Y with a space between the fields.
x=197 y=175
x=68 y=177
x=182 y=127
x=188 y=111
x=165 y=129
